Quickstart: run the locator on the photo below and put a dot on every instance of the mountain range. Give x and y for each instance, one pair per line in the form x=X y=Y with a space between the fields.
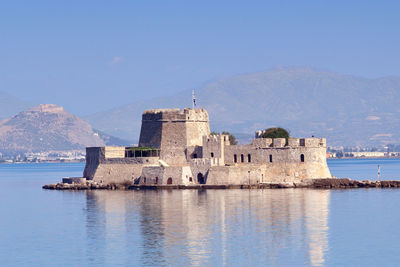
x=346 y=109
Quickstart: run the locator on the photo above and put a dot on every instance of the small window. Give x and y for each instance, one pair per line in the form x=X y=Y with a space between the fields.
x=270 y=158
x=212 y=154
x=235 y=158
x=169 y=181
x=248 y=158
x=190 y=179
x=242 y=158
x=302 y=157
x=195 y=156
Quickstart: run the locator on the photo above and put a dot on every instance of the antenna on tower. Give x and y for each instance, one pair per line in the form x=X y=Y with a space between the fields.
x=193 y=99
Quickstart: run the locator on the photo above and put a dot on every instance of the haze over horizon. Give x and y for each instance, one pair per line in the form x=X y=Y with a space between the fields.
x=93 y=56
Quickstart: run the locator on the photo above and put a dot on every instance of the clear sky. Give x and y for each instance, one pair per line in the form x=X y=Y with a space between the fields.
x=93 y=55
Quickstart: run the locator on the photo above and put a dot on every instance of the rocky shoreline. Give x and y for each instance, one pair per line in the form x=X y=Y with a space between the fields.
x=328 y=183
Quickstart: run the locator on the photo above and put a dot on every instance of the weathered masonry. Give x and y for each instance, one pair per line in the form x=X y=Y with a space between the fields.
x=176 y=147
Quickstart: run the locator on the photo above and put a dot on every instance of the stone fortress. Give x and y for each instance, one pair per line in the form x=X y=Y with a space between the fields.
x=176 y=148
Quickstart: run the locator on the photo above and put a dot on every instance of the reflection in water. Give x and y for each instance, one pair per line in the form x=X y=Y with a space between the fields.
x=218 y=227
x=317 y=225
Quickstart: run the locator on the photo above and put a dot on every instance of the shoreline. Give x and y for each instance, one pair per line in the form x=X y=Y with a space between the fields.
x=79 y=161
x=323 y=183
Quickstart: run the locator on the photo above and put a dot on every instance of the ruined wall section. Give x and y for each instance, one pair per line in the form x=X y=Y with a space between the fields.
x=214 y=147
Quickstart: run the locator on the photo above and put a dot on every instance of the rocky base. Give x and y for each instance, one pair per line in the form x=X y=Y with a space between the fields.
x=328 y=183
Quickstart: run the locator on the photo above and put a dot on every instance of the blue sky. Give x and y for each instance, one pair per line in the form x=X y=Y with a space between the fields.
x=93 y=55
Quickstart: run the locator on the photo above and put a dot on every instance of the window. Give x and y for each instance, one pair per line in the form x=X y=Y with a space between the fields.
x=248 y=158
x=195 y=156
x=169 y=181
x=242 y=158
x=144 y=180
x=156 y=182
x=235 y=158
x=270 y=158
x=302 y=157
x=212 y=154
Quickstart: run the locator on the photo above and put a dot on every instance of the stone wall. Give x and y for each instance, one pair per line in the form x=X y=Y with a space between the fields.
x=197 y=126
x=114 y=152
x=214 y=147
x=93 y=157
x=117 y=173
x=174 y=175
x=106 y=169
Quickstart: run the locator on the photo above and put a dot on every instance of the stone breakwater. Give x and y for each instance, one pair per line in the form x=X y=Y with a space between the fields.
x=328 y=183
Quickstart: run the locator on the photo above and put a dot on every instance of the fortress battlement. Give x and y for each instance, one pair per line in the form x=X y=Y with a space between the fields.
x=175 y=114
x=292 y=142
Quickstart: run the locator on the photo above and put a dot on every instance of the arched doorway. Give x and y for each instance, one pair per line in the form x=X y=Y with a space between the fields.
x=200 y=178
x=169 y=181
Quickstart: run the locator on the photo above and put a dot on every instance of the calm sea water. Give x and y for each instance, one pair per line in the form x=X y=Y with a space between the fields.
x=285 y=227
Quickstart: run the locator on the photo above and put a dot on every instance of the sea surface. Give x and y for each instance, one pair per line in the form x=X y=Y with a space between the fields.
x=269 y=227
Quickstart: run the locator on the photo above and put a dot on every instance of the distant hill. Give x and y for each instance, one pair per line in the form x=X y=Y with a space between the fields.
x=348 y=110
x=49 y=128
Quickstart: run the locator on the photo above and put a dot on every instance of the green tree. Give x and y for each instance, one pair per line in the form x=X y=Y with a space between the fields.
x=276 y=132
x=232 y=138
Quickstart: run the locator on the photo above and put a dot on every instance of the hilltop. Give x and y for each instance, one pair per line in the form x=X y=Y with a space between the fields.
x=346 y=109
x=48 y=127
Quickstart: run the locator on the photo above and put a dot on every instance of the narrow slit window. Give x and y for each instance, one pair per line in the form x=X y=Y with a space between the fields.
x=212 y=154
x=235 y=158
x=249 y=158
x=242 y=158
x=270 y=158
x=302 y=157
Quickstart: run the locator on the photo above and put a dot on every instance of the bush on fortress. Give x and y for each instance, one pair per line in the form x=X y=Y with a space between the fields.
x=276 y=133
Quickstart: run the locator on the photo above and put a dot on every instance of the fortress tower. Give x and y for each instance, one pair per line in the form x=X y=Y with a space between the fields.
x=177 y=133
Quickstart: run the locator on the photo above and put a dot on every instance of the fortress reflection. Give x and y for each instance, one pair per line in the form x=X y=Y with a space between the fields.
x=219 y=227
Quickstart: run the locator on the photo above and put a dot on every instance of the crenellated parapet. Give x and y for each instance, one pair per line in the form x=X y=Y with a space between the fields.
x=175 y=115
x=292 y=142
